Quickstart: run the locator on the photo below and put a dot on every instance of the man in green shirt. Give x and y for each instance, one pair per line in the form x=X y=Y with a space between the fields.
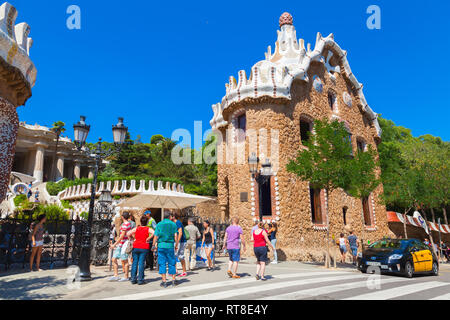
x=151 y=224
x=165 y=240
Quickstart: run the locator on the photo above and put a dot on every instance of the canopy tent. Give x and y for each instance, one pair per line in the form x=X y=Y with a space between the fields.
x=164 y=199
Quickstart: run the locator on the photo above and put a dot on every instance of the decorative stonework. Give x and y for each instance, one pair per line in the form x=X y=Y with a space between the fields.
x=286 y=18
x=15 y=44
x=317 y=84
x=273 y=77
x=298 y=237
x=9 y=124
x=347 y=99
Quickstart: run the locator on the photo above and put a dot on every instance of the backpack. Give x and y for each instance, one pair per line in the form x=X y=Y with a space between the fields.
x=187 y=235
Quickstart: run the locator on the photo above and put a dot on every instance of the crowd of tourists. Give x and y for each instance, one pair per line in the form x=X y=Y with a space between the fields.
x=173 y=242
x=170 y=241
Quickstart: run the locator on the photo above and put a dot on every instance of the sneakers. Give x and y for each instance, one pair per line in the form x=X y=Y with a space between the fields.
x=133 y=282
x=230 y=274
x=263 y=279
x=174 y=283
x=274 y=262
x=235 y=276
x=257 y=277
x=113 y=278
x=140 y=283
x=184 y=274
x=163 y=284
x=123 y=279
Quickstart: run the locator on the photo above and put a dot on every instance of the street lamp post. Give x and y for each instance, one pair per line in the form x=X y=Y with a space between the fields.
x=81 y=131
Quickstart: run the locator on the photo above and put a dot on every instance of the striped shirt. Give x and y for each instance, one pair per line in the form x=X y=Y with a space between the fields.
x=126 y=226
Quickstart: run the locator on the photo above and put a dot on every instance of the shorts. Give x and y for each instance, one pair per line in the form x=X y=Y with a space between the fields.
x=166 y=261
x=181 y=248
x=208 y=245
x=354 y=251
x=234 y=254
x=343 y=249
x=38 y=244
x=261 y=253
x=117 y=254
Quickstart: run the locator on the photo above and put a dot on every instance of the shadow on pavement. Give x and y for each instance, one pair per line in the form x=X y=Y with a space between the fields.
x=22 y=288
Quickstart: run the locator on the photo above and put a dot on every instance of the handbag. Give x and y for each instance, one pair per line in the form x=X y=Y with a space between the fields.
x=127 y=247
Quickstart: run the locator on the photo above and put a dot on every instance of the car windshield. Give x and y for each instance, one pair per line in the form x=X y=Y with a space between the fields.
x=389 y=244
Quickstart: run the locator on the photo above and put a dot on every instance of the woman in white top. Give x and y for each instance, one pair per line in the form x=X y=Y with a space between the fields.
x=342 y=247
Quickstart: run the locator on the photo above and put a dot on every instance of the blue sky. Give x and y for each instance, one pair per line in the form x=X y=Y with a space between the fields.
x=161 y=65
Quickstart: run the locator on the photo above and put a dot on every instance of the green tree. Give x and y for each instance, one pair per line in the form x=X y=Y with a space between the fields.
x=58 y=128
x=326 y=160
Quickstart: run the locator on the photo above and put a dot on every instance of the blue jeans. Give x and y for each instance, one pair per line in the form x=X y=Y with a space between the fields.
x=275 y=255
x=138 y=263
x=166 y=260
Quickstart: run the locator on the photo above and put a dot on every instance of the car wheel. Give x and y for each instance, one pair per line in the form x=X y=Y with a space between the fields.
x=409 y=269
x=363 y=270
x=435 y=269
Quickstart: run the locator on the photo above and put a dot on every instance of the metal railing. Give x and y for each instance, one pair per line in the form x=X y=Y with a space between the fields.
x=62 y=242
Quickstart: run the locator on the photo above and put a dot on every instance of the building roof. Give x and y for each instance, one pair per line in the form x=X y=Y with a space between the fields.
x=291 y=60
x=15 y=44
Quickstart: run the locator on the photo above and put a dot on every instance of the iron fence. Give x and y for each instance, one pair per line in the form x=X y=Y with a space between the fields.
x=62 y=242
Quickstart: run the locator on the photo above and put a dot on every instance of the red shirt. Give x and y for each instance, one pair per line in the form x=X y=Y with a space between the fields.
x=260 y=241
x=140 y=238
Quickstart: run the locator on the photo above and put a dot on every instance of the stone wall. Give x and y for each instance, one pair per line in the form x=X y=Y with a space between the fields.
x=298 y=237
x=208 y=210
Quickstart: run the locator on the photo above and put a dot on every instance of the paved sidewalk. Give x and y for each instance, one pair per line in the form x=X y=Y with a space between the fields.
x=48 y=284
x=57 y=283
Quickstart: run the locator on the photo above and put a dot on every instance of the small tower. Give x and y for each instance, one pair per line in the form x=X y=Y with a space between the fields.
x=263 y=121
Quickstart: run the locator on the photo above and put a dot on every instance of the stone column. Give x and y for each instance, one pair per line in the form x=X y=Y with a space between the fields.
x=59 y=166
x=76 y=170
x=38 y=171
x=18 y=75
x=9 y=126
x=91 y=172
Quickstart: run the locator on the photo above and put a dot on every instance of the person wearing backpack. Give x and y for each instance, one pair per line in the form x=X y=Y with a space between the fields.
x=181 y=246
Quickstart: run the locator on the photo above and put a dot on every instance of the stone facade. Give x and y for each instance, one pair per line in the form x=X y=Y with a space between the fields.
x=322 y=87
x=17 y=77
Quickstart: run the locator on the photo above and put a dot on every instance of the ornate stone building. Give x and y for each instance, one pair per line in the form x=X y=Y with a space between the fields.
x=35 y=150
x=275 y=108
x=17 y=77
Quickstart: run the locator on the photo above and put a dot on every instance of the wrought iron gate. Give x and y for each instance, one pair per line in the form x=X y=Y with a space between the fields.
x=62 y=242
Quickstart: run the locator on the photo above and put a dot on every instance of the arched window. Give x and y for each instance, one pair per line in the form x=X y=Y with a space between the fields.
x=241 y=127
x=317 y=210
x=368 y=221
x=344 y=215
x=306 y=128
x=360 y=144
x=332 y=100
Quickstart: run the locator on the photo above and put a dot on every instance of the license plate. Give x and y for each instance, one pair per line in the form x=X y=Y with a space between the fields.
x=375 y=264
x=384 y=267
